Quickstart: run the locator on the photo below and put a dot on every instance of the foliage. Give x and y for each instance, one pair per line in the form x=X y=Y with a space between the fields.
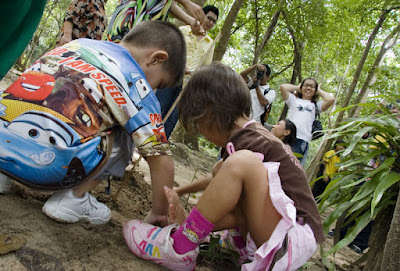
x=208 y=147
x=370 y=171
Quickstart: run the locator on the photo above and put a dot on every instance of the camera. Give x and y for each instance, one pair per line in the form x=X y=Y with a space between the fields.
x=260 y=74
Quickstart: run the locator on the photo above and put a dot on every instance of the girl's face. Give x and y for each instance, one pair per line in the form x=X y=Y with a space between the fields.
x=279 y=130
x=212 y=133
x=308 y=89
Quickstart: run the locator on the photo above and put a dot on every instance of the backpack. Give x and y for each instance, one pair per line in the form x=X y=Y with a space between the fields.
x=317 y=125
x=267 y=109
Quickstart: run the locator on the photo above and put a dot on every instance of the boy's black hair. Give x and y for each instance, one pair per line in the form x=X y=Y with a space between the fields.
x=211 y=8
x=215 y=94
x=290 y=139
x=315 y=97
x=164 y=36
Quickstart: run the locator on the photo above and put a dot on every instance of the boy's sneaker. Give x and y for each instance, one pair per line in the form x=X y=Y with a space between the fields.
x=155 y=244
x=5 y=183
x=66 y=207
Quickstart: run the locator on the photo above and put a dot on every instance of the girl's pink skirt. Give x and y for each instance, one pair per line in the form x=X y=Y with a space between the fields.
x=291 y=244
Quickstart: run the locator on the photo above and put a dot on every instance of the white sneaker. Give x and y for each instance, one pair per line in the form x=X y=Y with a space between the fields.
x=66 y=207
x=5 y=183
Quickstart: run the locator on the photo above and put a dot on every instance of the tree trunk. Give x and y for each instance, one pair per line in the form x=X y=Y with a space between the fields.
x=391 y=259
x=268 y=32
x=220 y=49
x=297 y=57
x=257 y=28
x=180 y=135
x=377 y=239
x=361 y=63
x=368 y=82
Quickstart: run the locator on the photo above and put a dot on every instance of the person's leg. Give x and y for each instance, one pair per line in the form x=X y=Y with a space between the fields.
x=243 y=181
x=167 y=97
x=78 y=204
x=301 y=147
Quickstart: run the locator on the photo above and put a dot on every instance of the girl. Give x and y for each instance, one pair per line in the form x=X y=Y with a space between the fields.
x=259 y=186
x=286 y=131
x=302 y=105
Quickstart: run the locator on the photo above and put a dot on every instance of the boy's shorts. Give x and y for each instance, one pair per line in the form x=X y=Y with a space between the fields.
x=120 y=156
x=291 y=244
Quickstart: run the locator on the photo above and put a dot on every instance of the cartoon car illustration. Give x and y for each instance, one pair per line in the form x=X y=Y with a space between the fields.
x=32 y=85
x=43 y=152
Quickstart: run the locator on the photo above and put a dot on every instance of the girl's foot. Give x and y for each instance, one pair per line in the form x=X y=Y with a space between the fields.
x=176 y=212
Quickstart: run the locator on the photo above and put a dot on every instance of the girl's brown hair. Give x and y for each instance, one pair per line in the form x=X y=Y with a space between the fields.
x=214 y=94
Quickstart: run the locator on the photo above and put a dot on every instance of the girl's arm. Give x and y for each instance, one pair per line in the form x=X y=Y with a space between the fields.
x=286 y=89
x=199 y=185
x=328 y=99
x=196 y=186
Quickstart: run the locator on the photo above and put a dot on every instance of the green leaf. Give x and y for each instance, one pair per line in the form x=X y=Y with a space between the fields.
x=386 y=182
x=355 y=139
x=361 y=223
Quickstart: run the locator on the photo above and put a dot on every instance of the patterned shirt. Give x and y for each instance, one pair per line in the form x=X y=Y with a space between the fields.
x=54 y=117
x=130 y=12
x=88 y=18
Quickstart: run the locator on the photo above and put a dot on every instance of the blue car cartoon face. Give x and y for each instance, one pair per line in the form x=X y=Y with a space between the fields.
x=42 y=151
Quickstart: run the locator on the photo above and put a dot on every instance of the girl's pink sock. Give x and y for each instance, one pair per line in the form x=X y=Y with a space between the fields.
x=193 y=230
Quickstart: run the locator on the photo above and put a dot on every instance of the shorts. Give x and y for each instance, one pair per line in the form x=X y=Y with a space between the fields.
x=291 y=244
x=120 y=157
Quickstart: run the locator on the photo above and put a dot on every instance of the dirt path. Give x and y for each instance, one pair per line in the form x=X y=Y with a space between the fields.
x=51 y=245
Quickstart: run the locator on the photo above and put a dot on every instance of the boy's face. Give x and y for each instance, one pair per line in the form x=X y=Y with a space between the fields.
x=158 y=77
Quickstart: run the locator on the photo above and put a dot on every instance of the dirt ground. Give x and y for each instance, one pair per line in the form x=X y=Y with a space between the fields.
x=45 y=244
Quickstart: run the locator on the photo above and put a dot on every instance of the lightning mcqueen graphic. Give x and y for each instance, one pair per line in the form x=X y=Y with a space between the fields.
x=43 y=152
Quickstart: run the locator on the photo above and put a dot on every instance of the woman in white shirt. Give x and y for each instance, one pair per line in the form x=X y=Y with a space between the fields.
x=302 y=103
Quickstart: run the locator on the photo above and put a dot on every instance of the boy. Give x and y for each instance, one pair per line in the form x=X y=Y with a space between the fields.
x=59 y=119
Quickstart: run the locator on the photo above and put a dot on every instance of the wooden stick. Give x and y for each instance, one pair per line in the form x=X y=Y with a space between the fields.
x=128 y=173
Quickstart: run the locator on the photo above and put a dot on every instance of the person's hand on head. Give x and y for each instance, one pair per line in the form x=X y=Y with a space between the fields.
x=158 y=220
x=260 y=67
x=318 y=89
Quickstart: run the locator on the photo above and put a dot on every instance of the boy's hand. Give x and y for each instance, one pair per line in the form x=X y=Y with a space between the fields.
x=158 y=220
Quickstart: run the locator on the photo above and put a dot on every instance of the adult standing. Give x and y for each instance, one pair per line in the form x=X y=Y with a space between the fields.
x=302 y=103
x=262 y=96
x=199 y=53
x=84 y=19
